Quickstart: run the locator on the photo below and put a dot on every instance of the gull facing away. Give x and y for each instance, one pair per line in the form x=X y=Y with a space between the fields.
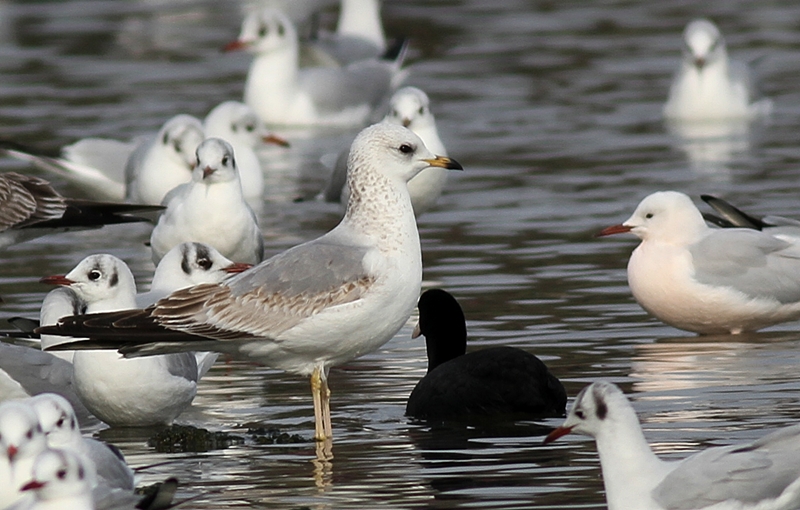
x=409 y=107
x=210 y=209
x=762 y=475
x=708 y=85
x=706 y=280
x=314 y=306
x=142 y=170
x=497 y=381
x=31 y=208
x=119 y=391
x=282 y=93
x=359 y=33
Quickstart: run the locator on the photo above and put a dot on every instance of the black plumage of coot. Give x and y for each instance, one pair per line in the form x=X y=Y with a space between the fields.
x=489 y=382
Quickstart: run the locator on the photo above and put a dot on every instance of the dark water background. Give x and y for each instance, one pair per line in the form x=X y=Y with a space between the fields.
x=554 y=109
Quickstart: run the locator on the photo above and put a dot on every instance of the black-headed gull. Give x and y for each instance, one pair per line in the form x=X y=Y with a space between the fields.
x=704 y=279
x=165 y=385
x=28 y=371
x=185 y=265
x=763 y=475
x=708 y=85
x=21 y=440
x=313 y=306
x=283 y=93
x=59 y=481
x=142 y=170
x=496 y=381
x=104 y=464
x=210 y=209
x=161 y=163
x=238 y=124
x=30 y=208
x=409 y=107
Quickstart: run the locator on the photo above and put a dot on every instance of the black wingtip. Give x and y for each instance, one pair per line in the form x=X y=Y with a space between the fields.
x=396 y=50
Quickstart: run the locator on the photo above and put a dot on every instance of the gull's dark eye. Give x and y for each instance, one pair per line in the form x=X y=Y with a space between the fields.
x=165 y=140
x=60 y=422
x=579 y=414
x=29 y=434
x=395 y=113
x=406 y=148
x=250 y=128
x=262 y=31
x=95 y=275
x=281 y=29
x=62 y=473
x=204 y=263
x=234 y=128
x=225 y=160
x=422 y=110
x=648 y=215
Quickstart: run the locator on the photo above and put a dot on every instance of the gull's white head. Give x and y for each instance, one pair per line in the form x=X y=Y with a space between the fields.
x=189 y=264
x=665 y=216
x=102 y=281
x=179 y=138
x=410 y=107
x=238 y=123
x=703 y=44
x=59 y=475
x=265 y=31
x=57 y=418
x=215 y=162
x=21 y=435
x=391 y=151
x=599 y=407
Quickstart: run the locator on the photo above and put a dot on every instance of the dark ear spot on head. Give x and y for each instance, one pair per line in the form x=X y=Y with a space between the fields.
x=601 y=409
x=114 y=279
x=185 y=260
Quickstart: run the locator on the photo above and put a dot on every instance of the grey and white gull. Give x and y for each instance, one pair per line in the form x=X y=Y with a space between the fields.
x=314 y=306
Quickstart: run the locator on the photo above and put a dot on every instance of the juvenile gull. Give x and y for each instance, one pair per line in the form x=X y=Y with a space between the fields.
x=708 y=85
x=763 y=475
x=708 y=280
x=314 y=306
x=210 y=209
x=282 y=93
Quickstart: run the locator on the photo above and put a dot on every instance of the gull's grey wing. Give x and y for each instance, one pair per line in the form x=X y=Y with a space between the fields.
x=108 y=156
x=41 y=372
x=749 y=473
x=333 y=90
x=273 y=296
x=260 y=303
x=752 y=262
